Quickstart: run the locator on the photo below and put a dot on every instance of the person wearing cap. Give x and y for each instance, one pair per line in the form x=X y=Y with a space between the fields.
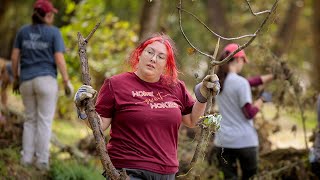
x=37 y=53
x=237 y=138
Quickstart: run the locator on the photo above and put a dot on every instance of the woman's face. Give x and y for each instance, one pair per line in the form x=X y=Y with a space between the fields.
x=152 y=62
x=49 y=18
x=240 y=63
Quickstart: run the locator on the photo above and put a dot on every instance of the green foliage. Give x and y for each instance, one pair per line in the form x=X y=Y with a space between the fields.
x=107 y=49
x=72 y=170
x=7 y=156
x=70 y=132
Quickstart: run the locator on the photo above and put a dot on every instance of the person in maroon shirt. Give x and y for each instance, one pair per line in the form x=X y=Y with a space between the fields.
x=145 y=109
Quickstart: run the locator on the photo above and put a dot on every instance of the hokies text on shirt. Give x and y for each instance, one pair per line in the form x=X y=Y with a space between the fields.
x=153 y=101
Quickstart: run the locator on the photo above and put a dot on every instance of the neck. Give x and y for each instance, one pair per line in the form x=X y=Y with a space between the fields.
x=233 y=69
x=150 y=79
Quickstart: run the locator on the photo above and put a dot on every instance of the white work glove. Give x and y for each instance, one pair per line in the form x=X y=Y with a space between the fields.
x=84 y=92
x=209 y=84
x=68 y=89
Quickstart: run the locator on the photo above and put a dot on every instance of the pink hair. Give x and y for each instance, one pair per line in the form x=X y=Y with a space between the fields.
x=171 y=73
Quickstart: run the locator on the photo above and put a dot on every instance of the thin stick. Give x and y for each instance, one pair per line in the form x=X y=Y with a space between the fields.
x=258 y=13
x=93 y=117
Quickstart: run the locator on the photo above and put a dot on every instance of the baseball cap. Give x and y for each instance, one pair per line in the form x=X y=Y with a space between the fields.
x=45 y=5
x=233 y=47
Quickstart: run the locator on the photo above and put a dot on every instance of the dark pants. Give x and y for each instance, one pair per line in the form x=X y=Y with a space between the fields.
x=138 y=174
x=227 y=161
x=315 y=167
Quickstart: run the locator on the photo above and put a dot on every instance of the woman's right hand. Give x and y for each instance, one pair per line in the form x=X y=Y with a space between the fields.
x=83 y=93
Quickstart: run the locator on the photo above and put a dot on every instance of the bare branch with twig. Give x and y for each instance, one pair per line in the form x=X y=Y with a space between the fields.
x=258 y=13
x=93 y=117
x=213 y=60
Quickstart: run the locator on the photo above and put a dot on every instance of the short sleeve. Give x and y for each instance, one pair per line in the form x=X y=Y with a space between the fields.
x=187 y=100
x=58 y=44
x=244 y=93
x=105 y=103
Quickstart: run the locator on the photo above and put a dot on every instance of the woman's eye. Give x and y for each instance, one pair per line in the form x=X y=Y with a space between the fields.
x=162 y=57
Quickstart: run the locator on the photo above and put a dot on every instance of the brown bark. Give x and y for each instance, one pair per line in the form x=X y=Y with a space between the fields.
x=316 y=31
x=149 y=19
x=3 y=7
x=93 y=117
x=286 y=32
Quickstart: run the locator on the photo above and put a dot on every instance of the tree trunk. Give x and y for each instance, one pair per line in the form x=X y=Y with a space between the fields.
x=217 y=17
x=286 y=32
x=316 y=30
x=149 y=19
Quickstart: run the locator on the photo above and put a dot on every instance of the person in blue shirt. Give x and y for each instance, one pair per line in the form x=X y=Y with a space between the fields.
x=37 y=53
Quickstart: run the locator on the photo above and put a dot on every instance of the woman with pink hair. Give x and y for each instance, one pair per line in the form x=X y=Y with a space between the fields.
x=145 y=109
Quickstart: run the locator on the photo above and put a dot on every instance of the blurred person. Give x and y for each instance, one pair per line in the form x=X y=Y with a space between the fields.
x=145 y=108
x=237 y=138
x=6 y=78
x=315 y=151
x=38 y=52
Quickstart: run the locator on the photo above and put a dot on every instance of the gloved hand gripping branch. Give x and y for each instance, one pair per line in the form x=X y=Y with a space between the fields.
x=209 y=84
x=83 y=93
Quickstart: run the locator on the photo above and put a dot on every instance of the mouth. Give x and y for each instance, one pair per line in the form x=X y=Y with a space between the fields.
x=151 y=66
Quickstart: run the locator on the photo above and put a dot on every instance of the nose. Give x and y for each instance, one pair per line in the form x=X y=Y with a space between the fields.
x=154 y=58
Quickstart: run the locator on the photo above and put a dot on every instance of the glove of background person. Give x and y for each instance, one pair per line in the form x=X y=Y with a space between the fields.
x=83 y=93
x=68 y=89
x=16 y=85
x=209 y=84
x=266 y=96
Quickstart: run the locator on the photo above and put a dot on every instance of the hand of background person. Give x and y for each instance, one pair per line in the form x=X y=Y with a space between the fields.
x=266 y=96
x=16 y=85
x=84 y=92
x=68 y=89
x=210 y=84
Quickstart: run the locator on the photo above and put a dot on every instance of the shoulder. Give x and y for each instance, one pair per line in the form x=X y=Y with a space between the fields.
x=121 y=76
x=237 y=79
x=25 y=27
x=52 y=29
x=178 y=87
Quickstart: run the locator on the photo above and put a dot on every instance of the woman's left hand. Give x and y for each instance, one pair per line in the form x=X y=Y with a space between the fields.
x=210 y=84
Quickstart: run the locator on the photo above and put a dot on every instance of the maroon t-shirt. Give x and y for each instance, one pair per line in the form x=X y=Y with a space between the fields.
x=145 y=121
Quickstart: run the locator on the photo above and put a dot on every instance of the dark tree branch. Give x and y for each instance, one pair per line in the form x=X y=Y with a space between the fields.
x=93 y=117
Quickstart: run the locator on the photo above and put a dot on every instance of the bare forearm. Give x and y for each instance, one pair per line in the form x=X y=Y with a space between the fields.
x=15 y=58
x=61 y=64
x=191 y=120
x=258 y=103
x=104 y=122
x=267 y=78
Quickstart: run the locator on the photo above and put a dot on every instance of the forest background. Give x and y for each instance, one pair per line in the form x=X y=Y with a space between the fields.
x=292 y=35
